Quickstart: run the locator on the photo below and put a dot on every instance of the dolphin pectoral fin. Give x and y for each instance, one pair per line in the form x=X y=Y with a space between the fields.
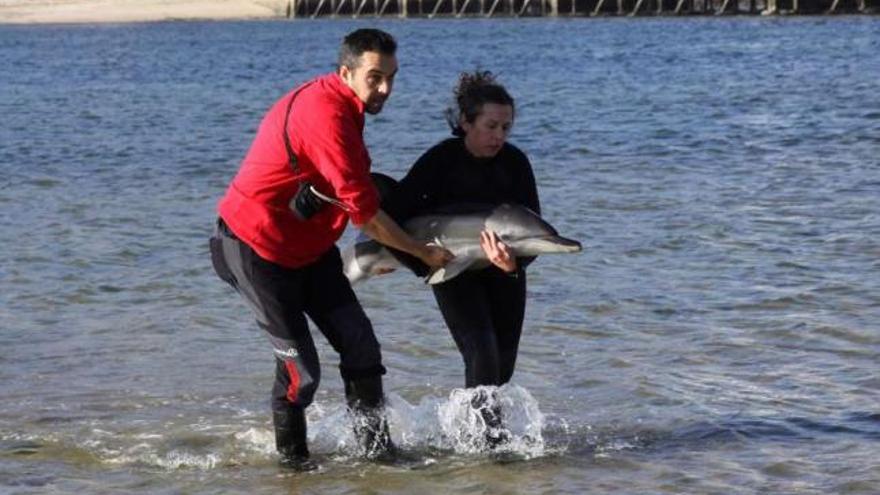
x=450 y=271
x=435 y=276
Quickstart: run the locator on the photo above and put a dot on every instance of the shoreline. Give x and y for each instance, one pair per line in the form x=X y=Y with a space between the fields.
x=122 y=11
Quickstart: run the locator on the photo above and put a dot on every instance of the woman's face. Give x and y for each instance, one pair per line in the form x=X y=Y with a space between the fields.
x=485 y=136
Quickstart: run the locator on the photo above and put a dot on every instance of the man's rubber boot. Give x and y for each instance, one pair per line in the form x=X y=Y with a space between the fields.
x=290 y=439
x=367 y=404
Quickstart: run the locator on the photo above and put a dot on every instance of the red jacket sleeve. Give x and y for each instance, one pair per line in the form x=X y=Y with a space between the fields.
x=339 y=154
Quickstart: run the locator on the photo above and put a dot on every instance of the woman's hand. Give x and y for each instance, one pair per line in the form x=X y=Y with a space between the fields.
x=497 y=251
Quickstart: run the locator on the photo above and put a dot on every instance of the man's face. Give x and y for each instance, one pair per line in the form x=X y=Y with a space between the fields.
x=371 y=79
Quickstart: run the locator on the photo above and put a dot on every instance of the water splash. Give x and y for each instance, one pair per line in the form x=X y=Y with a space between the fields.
x=443 y=424
x=463 y=422
x=469 y=424
x=432 y=429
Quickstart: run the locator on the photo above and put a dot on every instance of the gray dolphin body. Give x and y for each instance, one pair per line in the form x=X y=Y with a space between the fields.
x=523 y=231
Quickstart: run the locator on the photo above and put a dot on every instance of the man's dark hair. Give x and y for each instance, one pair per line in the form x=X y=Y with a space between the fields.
x=473 y=91
x=365 y=40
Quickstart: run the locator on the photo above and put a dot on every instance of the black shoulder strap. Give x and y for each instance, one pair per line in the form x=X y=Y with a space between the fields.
x=290 y=156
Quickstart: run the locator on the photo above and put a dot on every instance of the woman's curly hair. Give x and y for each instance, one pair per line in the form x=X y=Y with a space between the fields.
x=474 y=90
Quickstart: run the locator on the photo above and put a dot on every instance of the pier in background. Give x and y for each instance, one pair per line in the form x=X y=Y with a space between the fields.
x=572 y=8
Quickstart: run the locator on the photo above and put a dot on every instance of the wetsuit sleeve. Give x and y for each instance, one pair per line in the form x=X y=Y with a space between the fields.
x=340 y=156
x=527 y=195
x=527 y=190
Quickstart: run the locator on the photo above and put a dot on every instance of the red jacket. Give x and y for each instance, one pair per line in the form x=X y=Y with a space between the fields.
x=325 y=127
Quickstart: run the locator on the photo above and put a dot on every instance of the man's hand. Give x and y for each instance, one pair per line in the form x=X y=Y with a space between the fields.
x=436 y=256
x=382 y=228
x=497 y=251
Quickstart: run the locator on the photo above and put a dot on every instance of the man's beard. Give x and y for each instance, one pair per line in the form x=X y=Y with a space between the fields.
x=374 y=107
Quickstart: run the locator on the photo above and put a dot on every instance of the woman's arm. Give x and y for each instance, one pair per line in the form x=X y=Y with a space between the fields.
x=527 y=189
x=527 y=194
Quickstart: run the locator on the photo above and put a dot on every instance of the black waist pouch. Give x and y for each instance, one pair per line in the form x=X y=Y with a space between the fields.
x=305 y=203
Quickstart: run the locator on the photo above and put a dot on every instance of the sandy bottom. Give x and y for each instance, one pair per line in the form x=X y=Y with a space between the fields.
x=91 y=11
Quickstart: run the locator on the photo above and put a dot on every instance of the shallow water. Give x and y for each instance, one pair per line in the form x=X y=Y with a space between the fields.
x=718 y=334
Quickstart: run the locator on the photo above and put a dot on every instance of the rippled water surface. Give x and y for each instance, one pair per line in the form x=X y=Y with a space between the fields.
x=719 y=333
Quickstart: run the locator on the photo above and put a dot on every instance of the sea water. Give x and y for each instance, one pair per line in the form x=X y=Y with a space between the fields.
x=718 y=334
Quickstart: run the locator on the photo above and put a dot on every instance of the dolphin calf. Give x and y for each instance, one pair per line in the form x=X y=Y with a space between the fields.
x=523 y=231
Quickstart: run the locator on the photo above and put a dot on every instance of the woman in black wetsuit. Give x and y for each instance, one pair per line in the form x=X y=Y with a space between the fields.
x=483 y=309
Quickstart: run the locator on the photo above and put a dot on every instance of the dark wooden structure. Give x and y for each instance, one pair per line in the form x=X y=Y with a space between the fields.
x=572 y=8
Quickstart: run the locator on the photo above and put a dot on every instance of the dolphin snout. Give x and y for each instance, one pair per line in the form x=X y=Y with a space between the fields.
x=567 y=245
x=546 y=245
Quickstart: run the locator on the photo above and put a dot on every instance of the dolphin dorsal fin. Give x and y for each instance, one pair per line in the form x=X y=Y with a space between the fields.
x=450 y=271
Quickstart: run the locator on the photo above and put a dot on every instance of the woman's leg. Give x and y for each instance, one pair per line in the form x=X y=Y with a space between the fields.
x=507 y=297
x=464 y=303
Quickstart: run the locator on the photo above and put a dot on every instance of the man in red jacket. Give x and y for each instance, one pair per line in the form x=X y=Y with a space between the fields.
x=306 y=174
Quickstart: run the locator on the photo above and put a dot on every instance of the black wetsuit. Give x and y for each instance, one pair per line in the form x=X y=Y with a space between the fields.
x=483 y=309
